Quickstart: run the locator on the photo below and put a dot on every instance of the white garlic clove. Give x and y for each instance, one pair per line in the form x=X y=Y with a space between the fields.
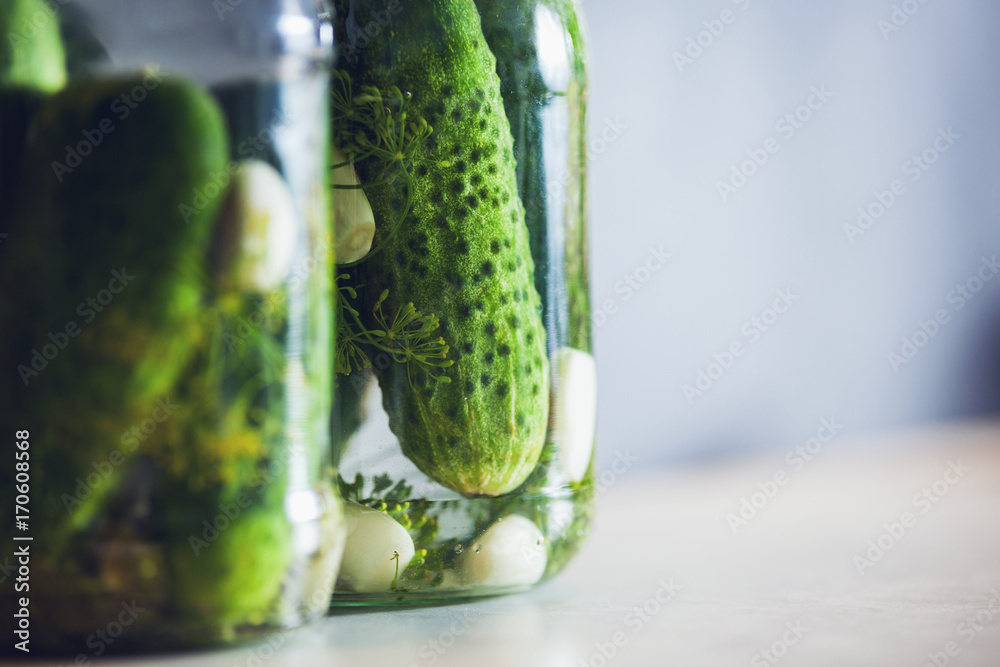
x=510 y=553
x=373 y=540
x=266 y=221
x=354 y=222
x=574 y=410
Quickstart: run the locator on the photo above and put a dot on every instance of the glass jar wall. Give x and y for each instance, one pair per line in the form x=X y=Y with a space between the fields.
x=465 y=388
x=166 y=321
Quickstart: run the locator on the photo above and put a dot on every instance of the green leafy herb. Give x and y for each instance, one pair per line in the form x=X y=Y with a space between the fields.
x=407 y=337
x=376 y=124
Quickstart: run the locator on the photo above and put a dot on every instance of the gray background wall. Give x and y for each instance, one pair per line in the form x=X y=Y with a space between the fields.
x=672 y=135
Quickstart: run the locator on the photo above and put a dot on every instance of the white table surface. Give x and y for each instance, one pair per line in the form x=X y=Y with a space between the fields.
x=791 y=566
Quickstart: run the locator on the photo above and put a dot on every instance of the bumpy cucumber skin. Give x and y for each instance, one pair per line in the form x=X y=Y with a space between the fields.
x=462 y=253
x=31 y=52
x=509 y=28
x=117 y=209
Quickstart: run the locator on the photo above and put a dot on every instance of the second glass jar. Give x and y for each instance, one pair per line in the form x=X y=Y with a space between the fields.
x=165 y=324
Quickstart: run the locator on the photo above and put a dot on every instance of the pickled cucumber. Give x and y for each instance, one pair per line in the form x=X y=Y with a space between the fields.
x=237 y=577
x=450 y=238
x=103 y=283
x=31 y=51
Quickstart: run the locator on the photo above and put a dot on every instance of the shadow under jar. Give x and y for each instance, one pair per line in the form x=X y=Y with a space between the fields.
x=465 y=390
x=166 y=322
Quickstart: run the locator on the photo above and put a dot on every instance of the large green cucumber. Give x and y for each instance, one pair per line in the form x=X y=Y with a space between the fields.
x=79 y=373
x=462 y=251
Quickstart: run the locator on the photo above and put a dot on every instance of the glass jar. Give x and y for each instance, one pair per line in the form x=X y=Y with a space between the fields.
x=166 y=322
x=466 y=391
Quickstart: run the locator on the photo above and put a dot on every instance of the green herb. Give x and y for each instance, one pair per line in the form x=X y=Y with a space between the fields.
x=376 y=124
x=408 y=337
x=395 y=579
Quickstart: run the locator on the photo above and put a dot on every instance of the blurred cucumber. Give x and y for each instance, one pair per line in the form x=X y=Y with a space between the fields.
x=103 y=281
x=31 y=51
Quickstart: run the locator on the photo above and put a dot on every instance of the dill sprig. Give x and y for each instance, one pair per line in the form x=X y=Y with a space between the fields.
x=377 y=126
x=407 y=337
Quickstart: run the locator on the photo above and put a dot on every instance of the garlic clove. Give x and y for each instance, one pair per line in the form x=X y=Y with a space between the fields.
x=373 y=539
x=575 y=410
x=511 y=552
x=354 y=222
x=266 y=221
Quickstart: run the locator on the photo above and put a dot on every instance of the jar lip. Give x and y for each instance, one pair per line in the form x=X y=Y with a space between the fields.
x=211 y=42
